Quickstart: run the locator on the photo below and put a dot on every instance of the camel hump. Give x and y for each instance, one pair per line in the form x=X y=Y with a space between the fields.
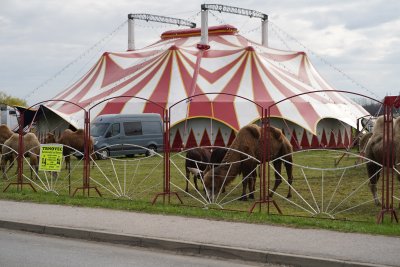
x=276 y=134
x=79 y=131
x=254 y=130
x=30 y=136
x=4 y=127
x=396 y=125
x=378 y=126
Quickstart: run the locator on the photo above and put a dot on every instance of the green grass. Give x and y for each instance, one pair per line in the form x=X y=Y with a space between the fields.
x=139 y=180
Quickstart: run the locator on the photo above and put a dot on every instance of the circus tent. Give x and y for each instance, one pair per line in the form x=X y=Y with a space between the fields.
x=213 y=93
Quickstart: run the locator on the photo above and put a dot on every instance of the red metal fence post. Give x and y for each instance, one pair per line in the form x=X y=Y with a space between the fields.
x=20 y=158
x=265 y=171
x=388 y=161
x=86 y=158
x=167 y=163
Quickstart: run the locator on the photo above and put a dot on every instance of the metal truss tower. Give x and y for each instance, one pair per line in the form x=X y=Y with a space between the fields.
x=233 y=10
x=155 y=18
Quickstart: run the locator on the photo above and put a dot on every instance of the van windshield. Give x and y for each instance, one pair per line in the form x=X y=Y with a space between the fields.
x=98 y=129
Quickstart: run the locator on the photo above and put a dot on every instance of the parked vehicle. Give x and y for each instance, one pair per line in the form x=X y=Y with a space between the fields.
x=118 y=135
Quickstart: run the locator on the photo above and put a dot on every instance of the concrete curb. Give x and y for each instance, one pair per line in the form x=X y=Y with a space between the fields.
x=186 y=248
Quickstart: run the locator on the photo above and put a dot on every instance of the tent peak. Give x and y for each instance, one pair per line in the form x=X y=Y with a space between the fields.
x=213 y=30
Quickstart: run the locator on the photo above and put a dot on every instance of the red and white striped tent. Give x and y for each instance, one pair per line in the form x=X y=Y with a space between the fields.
x=174 y=68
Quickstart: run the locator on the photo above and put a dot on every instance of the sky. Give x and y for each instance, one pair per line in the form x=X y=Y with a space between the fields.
x=46 y=45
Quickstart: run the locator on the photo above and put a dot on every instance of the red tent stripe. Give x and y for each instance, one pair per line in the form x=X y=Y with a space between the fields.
x=205 y=139
x=259 y=90
x=219 y=140
x=332 y=141
x=67 y=92
x=131 y=92
x=225 y=109
x=303 y=71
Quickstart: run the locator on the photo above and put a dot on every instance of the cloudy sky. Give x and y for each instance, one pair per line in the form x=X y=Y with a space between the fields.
x=45 y=45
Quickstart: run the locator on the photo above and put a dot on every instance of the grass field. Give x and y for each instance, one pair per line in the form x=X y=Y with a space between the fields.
x=322 y=191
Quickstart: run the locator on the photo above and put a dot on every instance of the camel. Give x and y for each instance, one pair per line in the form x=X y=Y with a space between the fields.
x=10 y=148
x=248 y=141
x=5 y=133
x=72 y=141
x=374 y=151
x=217 y=155
x=195 y=163
x=362 y=144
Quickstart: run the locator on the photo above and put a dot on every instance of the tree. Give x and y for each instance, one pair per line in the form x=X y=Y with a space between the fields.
x=11 y=101
x=374 y=108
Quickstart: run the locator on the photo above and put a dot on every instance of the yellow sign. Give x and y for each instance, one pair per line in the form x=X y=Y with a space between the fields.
x=50 y=157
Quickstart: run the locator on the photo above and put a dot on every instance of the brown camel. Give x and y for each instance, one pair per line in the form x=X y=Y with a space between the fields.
x=72 y=141
x=362 y=144
x=195 y=163
x=10 y=148
x=248 y=141
x=374 y=151
x=5 y=133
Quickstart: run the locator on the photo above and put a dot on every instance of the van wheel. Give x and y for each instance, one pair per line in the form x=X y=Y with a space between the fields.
x=151 y=148
x=103 y=154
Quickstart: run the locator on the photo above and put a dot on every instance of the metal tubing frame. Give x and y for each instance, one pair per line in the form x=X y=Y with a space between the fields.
x=387 y=180
x=232 y=10
x=20 y=158
x=263 y=198
x=20 y=181
x=155 y=18
x=166 y=120
x=265 y=171
x=388 y=160
x=167 y=166
x=86 y=160
x=388 y=163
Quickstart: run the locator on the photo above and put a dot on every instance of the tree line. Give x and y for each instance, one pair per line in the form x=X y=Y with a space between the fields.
x=11 y=100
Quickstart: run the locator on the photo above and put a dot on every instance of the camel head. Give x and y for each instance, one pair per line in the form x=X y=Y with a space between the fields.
x=214 y=180
x=50 y=138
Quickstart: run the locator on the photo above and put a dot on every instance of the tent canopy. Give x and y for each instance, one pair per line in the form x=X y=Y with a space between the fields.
x=174 y=68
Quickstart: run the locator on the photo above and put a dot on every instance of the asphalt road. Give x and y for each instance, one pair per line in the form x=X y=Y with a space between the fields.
x=27 y=249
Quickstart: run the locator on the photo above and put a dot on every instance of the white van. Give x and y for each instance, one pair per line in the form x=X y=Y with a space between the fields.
x=127 y=134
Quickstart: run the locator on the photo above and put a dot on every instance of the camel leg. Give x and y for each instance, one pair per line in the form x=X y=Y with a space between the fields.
x=251 y=187
x=10 y=158
x=33 y=160
x=195 y=181
x=252 y=184
x=374 y=190
x=187 y=180
x=372 y=168
x=289 y=172
x=244 y=184
x=248 y=181
x=67 y=162
x=278 y=179
x=3 y=167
